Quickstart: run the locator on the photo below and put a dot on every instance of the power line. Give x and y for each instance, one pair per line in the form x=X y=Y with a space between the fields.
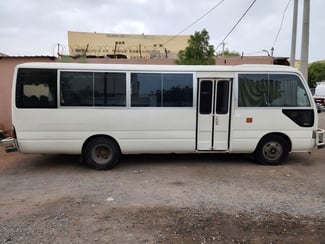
x=233 y=28
x=284 y=12
x=193 y=23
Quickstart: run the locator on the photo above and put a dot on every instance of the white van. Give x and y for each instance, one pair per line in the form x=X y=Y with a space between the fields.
x=319 y=96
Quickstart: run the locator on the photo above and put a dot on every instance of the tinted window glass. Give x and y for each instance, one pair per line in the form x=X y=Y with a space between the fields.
x=222 y=97
x=206 y=97
x=76 y=88
x=110 y=89
x=93 y=89
x=177 y=90
x=287 y=91
x=36 y=88
x=274 y=90
x=161 y=90
x=146 y=90
x=302 y=117
x=252 y=90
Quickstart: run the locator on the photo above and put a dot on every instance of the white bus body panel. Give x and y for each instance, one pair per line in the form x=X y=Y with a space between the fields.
x=244 y=136
x=136 y=130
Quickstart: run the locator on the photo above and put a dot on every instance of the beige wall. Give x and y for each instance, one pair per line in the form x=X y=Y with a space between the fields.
x=132 y=46
x=7 y=66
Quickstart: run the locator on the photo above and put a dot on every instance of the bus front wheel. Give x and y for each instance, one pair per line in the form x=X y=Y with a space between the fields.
x=272 y=150
x=101 y=153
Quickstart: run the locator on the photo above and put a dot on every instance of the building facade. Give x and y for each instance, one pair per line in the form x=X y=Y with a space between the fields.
x=125 y=45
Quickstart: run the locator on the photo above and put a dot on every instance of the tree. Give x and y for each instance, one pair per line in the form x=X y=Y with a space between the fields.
x=198 y=51
x=228 y=53
x=316 y=73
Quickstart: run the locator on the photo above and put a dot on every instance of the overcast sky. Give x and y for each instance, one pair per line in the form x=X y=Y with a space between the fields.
x=35 y=27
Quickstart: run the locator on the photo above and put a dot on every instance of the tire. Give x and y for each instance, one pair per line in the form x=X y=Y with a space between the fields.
x=101 y=153
x=272 y=150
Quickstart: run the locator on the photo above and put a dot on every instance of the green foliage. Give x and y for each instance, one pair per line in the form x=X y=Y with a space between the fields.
x=198 y=51
x=316 y=73
x=229 y=53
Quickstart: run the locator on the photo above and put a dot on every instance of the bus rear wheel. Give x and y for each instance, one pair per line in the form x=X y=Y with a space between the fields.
x=272 y=150
x=101 y=153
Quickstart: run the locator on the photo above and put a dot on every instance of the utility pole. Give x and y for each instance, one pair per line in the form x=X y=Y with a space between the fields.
x=305 y=40
x=223 y=48
x=294 y=34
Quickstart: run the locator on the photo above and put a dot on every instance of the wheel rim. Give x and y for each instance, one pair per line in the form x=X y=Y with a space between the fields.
x=272 y=150
x=102 y=154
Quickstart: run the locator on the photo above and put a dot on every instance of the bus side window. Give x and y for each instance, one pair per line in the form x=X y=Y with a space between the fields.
x=110 y=89
x=206 y=97
x=76 y=88
x=252 y=90
x=302 y=98
x=222 y=97
x=92 y=89
x=287 y=90
x=161 y=90
x=271 y=90
x=36 y=88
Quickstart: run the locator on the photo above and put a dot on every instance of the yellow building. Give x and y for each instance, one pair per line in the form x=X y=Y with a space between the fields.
x=297 y=64
x=126 y=46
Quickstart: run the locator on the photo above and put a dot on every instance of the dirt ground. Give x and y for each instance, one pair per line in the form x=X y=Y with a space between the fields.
x=163 y=199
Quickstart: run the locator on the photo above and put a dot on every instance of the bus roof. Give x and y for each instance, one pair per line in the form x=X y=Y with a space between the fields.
x=171 y=68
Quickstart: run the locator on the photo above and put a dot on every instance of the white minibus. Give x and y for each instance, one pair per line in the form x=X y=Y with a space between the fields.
x=319 y=96
x=101 y=111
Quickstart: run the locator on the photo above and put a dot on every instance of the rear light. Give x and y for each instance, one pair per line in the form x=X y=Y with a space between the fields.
x=319 y=100
x=13 y=132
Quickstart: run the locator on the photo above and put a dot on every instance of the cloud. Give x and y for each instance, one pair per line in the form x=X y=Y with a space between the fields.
x=33 y=27
x=131 y=27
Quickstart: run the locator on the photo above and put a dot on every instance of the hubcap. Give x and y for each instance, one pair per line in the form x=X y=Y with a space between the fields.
x=102 y=154
x=272 y=150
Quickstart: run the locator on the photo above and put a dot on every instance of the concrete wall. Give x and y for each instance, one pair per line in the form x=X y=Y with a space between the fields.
x=7 y=66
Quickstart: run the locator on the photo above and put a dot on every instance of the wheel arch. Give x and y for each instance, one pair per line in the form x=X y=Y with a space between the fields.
x=98 y=136
x=284 y=136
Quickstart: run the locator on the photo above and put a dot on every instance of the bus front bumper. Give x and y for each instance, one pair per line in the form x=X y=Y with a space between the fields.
x=320 y=138
x=10 y=144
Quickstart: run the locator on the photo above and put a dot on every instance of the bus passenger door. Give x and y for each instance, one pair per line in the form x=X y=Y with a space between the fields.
x=213 y=114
